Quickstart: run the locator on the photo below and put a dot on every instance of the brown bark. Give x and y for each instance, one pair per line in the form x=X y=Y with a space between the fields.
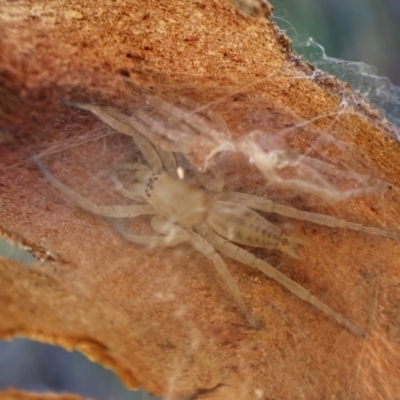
x=161 y=319
x=18 y=395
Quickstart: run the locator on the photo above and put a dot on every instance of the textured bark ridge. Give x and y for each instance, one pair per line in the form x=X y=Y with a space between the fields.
x=161 y=318
x=17 y=395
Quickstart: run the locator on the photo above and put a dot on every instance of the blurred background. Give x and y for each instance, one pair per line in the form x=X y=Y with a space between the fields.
x=358 y=41
x=364 y=32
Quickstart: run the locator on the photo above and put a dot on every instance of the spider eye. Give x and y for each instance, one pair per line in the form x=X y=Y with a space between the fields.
x=180 y=172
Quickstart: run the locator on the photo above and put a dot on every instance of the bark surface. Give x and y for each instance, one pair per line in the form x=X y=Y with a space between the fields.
x=162 y=319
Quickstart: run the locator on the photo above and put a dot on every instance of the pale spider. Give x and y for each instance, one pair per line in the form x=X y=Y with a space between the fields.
x=209 y=219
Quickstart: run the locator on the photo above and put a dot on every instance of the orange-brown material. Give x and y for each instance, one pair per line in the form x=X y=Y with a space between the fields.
x=161 y=318
x=18 y=395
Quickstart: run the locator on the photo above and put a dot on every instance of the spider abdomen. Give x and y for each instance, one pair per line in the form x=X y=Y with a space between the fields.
x=243 y=225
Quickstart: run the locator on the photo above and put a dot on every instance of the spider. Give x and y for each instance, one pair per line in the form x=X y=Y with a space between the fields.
x=214 y=222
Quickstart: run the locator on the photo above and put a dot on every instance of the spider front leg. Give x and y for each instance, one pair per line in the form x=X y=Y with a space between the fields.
x=236 y=253
x=114 y=211
x=120 y=123
x=133 y=127
x=263 y=204
x=136 y=192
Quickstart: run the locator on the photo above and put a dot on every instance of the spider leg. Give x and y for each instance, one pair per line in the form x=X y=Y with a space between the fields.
x=186 y=118
x=236 y=253
x=182 y=132
x=202 y=245
x=193 y=121
x=174 y=234
x=125 y=125
x=132 y=127
x=197 y=128
x=156 y=130
x=172 y=231
x=137 y=131
x=136 y=191
x=114 y=211
x=169 y=162
x=263 y=204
